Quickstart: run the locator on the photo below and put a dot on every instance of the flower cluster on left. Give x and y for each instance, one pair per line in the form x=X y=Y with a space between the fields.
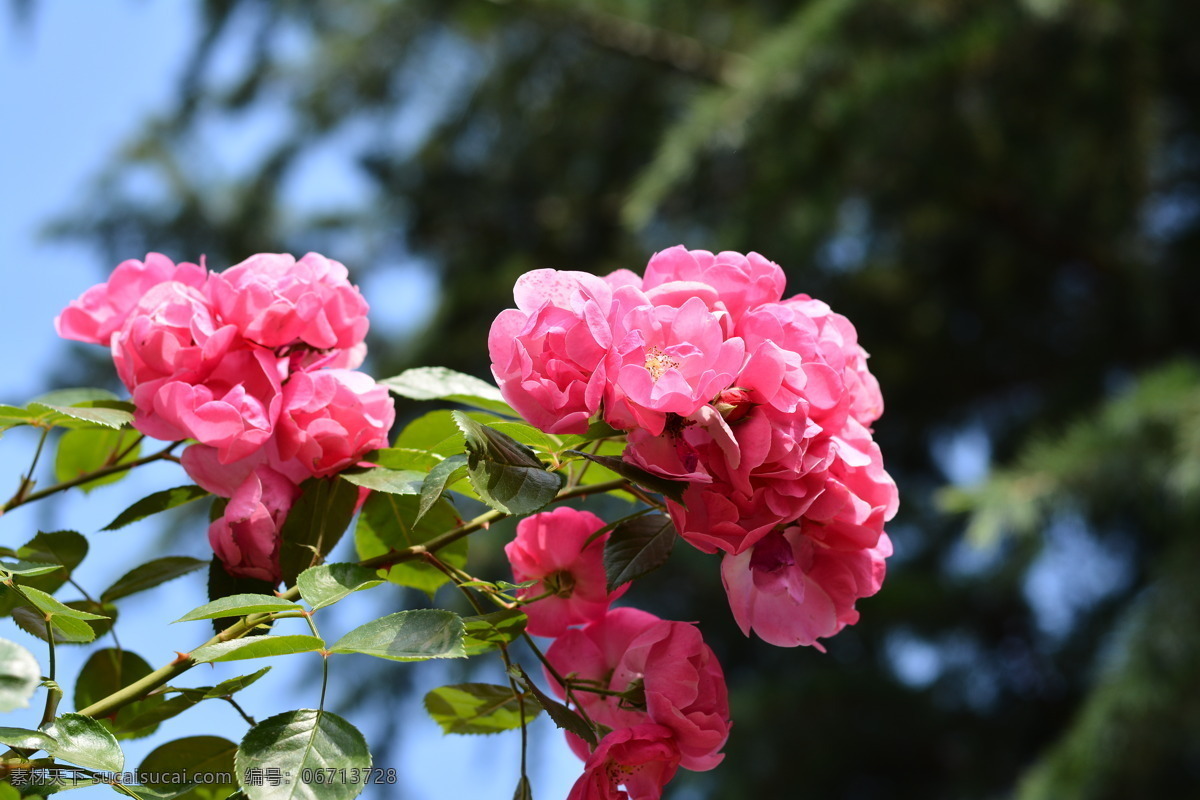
x=257 y=366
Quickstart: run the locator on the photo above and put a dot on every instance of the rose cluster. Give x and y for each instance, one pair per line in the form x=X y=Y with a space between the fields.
x=762 y=405
x=653 y=682
x=256 y=364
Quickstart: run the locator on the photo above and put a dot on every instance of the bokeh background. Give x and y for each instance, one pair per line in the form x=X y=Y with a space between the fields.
x=1003 y=196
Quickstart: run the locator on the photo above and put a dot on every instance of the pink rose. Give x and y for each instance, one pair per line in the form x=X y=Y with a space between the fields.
x=548 y=353
x=859 y=496
x=234 y=409
x=331 y=418
x=737 y=282
x=665 y=360
x=553 y=549
x=667 y=673
x=762 y=471
x=246 y=537
x=171 y=334
x=277 y=301
x=101 y=311
x=791 y=588
x=193 y=379
x=643 y=759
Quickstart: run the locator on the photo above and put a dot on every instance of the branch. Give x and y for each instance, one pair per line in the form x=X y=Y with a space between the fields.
x=161 y=676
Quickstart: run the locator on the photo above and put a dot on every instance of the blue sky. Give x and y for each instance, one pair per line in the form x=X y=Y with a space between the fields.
x=76 y=79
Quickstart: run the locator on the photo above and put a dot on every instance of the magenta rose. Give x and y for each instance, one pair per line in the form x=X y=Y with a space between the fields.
x=246 y=536
x=734 y=282
x=101 y=311
x=667 y=673
x=553 y=549
x=643 y=759
x=331 y=418
x=792 y=588
x=664 y=360
x=277 y=301
x=548 y=353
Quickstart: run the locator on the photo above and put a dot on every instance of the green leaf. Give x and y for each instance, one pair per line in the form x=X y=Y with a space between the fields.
x=19 y=676
x=64 y=629
x=146 y=722
x=151 y=574
x=436 y=433
x=407 y=636
x=402 y=458
x=326 y=584
x=562 y=716
x=84 y=741
x=597 y=430
x=108 y=671
x=26 y=739
x=523 y=791
x=66 y=548
x=439 y=383
x=27 y=568
x=488 y=631
x=184 y=759
x=84 y=451
x=388 y=522
x=315 y=524
x=468 y=708
x=51 y=607
x=670 y=489
x=256 y=647
x=222 y=584
x=445 y=473
x=304 y=742
x=73 y=396
x=239 y=605
x=507 y=475
x=109 y=413
x=382 y=479
x=527 y=435
x=156 y=504
x=234 y=685
x=70 y=408
x=636 y=547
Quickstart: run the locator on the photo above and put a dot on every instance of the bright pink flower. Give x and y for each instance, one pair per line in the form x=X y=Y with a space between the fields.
x=665 y=360
x=667 y=673
x=203 y=465
x=171 y=334
x=801 y=354
x=552 y=548
x=193 y=379
x=246 y=537
x=792 y=588
x=548 y=353
x=331 y=418
x=643 y=759
x=234 y=409
x=737 y=282
x=277 y=301
x=101 y=311
x=859 y=496
x=762 y=471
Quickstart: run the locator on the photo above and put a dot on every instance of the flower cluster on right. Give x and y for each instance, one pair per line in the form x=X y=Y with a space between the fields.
x=762 y=405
